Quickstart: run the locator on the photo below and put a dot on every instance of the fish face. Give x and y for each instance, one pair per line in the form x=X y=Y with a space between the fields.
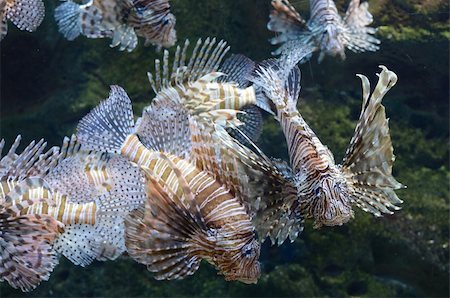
x=241 y=264
x=326 y=200
x=330 y=43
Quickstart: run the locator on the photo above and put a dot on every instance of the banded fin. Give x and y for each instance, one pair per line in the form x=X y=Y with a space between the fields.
x=205 y=58
x=124 y=37
x=165 y=127
x=67 y=15
x=25 y=14
x=368 y=161
x=27 y=256
x=108 y=125
x=252 y=123
x=154 y=21
x=167 y=235
x=238 y=69
x=358 y=37
x=269 y=195
x=3 y=20
x=32 y=161
x=287 y=23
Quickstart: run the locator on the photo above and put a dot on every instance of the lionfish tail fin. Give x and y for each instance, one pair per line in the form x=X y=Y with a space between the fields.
x=108 y=125
x=358 y=36
x=25 y=14
x=154 y=21
x=286 y=21
x=27 y=256
x=369 y=158
x=205 y=58
x=168 y=234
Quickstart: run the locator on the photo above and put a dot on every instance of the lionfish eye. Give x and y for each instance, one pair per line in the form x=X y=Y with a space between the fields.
x=318 y=191
x=248 y=252
x=166 y=21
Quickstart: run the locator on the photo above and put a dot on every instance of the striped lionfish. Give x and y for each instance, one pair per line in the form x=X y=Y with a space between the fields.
x=189 y=215
x=64 y=201
x=121 y=20
x=325 y=31
x=25 y=14
x=267 y=195
x=327 y=191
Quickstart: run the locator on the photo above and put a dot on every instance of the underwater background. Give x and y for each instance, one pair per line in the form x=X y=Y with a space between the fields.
x=48 y=84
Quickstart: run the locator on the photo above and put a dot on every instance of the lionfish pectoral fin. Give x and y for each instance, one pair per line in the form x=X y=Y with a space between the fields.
x=25 y=14
x=358 y=37
x=368 y=161
x=166 y=235
x=68 y=17
x=108 y=125
x=125 y=37
x=27 y=256
x=252 y=123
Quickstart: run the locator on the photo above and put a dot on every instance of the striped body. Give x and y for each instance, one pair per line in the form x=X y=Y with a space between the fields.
x=229 y=242
x=321 y=186
x=60 y=208
x=217 y=205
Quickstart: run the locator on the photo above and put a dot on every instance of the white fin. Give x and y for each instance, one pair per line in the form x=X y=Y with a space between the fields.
x=107 y=126
x=369 y=158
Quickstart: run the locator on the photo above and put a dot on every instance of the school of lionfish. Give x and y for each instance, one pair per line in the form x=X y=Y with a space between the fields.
x=186 y=182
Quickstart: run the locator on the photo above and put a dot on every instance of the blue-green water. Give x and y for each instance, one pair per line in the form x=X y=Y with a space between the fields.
x=49 y=83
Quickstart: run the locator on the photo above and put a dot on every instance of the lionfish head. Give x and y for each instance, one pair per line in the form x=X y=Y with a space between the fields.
x=327 y=200
x=241 y=262
x=331 y=44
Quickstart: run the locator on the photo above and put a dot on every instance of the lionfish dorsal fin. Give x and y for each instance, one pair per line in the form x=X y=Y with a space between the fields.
x=205 y=58
x=369 y=158
x=238 y=69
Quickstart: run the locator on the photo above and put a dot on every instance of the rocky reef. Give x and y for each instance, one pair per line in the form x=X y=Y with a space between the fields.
x=49 y=83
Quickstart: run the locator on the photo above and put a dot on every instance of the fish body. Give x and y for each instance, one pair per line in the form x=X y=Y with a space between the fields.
x=78 y=199
x=327 y=191
x=326 y=31
x=121 y=20
x=25 y=14
x=217 y=227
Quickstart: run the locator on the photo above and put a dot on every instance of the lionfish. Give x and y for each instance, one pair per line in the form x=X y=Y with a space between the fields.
x=121 y=20
x=268 y=194
x=189 y=215
x=327 y=191
x=326 y=31
x=25 y=14
x=64 y=201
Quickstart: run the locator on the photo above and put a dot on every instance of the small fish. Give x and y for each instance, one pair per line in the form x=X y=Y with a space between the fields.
x=327 y=191
x=25 y=14
x=326 y=31
x=121 y=20
x=64 y=201
x=211 y=223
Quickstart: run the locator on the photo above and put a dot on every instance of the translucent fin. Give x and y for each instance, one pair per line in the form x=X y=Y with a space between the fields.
x=68 y=17
x=369 y=158
x=124 y=37
x=27 y=256
x=166 y=235
x=32 y=161
x=270 y=196
x=252 y=123
x=165 y=128
x=238 y=69
x=25 y=14
x=358 y=36
x=205 y=58
x=107 y=126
